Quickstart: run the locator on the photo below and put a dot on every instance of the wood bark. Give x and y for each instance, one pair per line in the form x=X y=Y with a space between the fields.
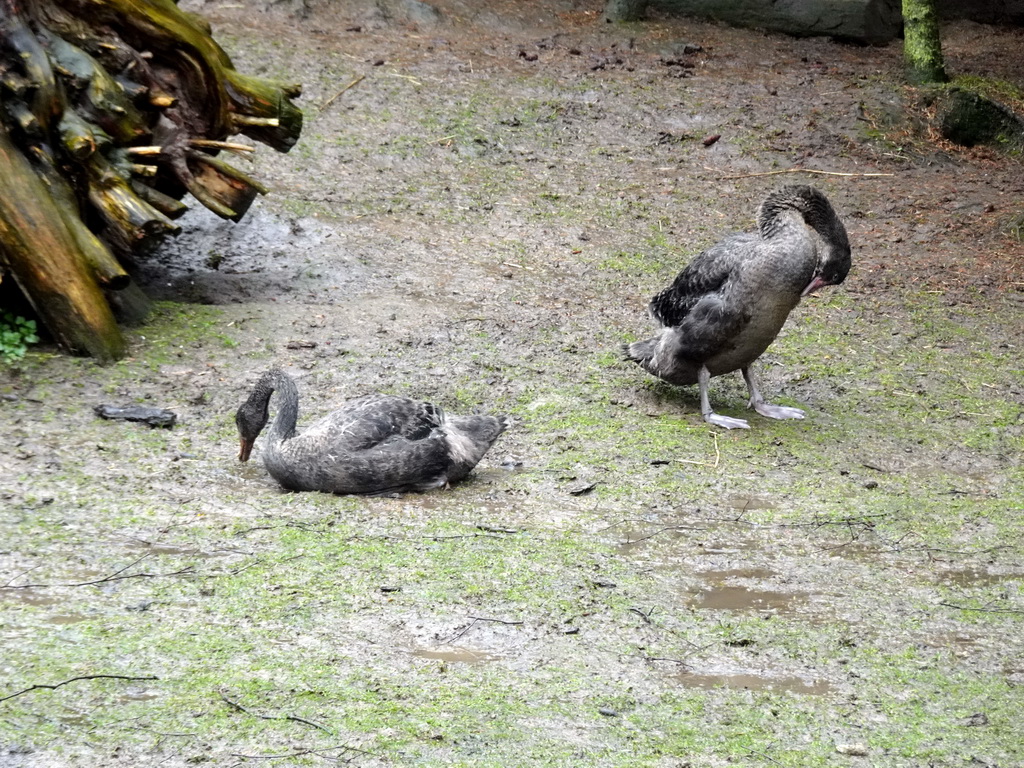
x=111 y=111
x=48 y=265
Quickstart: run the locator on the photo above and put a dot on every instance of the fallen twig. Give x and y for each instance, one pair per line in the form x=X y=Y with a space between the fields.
x=55 y=686
x=115 y=576
x=333 y=98
x=718 y=456
x=293 y=718
x=321 y=752
x=766 y=757
x=496 y=621
x=645 y=616
x=880 y=468
x=680 y=662
x=662 y=530
x=794 y=170
x=861 y=520
x=474 y=620
x=496 y=529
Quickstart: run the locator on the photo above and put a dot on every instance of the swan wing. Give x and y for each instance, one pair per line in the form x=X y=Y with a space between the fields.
x=707 y=275
x=710 y=328
x=373 y=420
x=393 y=465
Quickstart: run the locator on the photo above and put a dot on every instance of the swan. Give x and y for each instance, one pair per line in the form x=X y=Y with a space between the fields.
x=729 y=303
x=374 y=444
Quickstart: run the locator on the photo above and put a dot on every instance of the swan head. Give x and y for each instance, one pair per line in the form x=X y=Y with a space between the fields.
x=251 y=418
x=832 y=242
x=834 y=258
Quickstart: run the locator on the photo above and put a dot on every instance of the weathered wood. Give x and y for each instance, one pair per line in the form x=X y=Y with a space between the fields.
x=167 y=205
x=130 y=305
x=229 y=187
x=117 y=107
x=106 y=269
x=869 y=21
x=131 y=221
x=44 y=258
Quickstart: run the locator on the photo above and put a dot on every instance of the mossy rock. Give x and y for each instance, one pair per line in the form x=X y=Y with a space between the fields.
x=967 y=118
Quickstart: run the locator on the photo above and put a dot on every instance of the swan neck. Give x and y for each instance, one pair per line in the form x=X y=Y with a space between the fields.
x=287 y=404
x=776 y=213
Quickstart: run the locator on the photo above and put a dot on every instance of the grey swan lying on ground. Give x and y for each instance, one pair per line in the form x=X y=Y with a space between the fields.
x=372 y=445
x=731 y=301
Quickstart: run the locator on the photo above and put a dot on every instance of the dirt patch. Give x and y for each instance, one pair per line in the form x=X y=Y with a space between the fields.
x=481 y=204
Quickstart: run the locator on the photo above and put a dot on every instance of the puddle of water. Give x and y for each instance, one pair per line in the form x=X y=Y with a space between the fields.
x=456 y=656
x=751 y=682
x=724 y=598
x=169 y=549
x=719 y=596
x=138 y=696
x=750 y=502
x=66 y=618
x=954 y=640
x=28 y=596
x=637 y=541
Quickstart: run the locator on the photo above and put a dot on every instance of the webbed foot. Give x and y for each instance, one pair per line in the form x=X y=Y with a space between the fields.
x=726 y=422
x=777 y=411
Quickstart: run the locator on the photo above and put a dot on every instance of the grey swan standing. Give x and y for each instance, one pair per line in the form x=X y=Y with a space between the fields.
x=731 y=301
x=373 y=444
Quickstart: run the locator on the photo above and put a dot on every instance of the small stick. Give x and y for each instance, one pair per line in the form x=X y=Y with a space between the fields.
x=474 y=620
x=144 y=150
x=795 y=170
x=293 y=718
x=665 y=658
x=73 y=679
x=333 y=98
x=496 y=529
x=228 y=146
x=718 y=456
x=496 y=621
x=115 y=576
x=645 y=616
x=318 y=752
x=260 y=122
x=410 y=78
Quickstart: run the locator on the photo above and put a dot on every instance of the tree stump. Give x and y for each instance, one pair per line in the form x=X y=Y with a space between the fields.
x=112 y=111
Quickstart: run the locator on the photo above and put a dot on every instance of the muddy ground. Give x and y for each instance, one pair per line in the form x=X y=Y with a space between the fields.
x=482 y=202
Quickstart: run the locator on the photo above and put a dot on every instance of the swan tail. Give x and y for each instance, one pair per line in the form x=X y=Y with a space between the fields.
x=640 y=352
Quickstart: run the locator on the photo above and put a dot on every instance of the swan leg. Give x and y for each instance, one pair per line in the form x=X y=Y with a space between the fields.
x=727 y=422
x=757 y=402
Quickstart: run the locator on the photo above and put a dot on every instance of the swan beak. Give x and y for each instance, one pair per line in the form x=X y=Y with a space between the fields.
x=245 y=448
x=817 y=282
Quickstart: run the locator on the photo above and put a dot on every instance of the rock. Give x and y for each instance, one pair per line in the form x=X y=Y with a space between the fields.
x=868 y=21
x=855 y=750
x=968 y=118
